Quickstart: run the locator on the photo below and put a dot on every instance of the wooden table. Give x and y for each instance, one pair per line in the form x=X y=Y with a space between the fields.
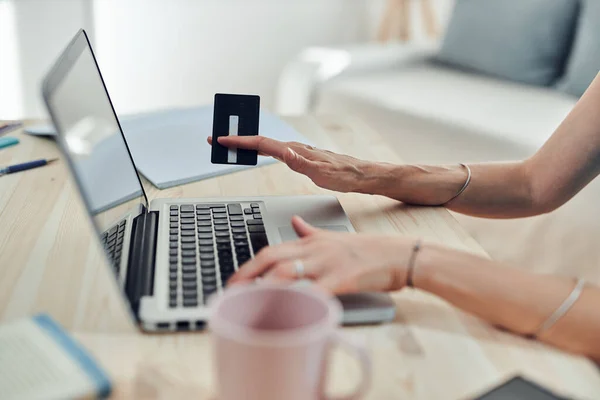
x=49 y=263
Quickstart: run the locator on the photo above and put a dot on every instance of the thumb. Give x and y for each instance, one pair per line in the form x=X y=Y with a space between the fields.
x=302 y=227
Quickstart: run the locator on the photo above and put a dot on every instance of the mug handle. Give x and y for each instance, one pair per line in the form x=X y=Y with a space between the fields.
x=361 y=354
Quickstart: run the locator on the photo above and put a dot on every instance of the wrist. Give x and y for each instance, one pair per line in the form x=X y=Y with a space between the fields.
x=414 y=261
x=399 y=260
x=413 y=184
x=378 y=177
x=430 y=256
x=410 y=268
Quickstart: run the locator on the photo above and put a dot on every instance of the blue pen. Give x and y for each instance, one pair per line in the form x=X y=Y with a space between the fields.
x=25 y=166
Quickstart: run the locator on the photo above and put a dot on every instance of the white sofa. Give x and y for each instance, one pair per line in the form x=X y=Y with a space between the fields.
x=434 y=114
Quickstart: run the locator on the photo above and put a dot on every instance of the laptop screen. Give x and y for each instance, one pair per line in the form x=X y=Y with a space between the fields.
x=90 y=133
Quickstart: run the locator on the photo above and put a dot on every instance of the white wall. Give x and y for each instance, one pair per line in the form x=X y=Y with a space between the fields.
x=158 y=53
x=40 y=30
x=11 y=101
x=165 y=53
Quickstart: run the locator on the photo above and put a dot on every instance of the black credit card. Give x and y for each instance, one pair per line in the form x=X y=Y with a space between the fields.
x=234 y=114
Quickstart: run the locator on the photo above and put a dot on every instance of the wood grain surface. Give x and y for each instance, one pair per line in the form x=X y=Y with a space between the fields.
x=50 y=262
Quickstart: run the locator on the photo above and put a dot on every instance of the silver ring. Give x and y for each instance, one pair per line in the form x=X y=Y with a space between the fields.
x=299 y=267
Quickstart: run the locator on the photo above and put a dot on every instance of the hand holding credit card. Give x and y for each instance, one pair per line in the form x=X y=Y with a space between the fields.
x=234 y=115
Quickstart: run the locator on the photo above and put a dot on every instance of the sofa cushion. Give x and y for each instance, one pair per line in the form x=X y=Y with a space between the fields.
x=522 y=114
x=584 y=62
x=525 y=41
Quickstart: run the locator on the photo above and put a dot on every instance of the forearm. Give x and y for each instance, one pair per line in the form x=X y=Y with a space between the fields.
x=496 y=190
x=566 y=163
x=509 y=298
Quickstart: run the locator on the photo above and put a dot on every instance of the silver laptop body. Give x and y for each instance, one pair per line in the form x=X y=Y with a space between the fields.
x=169 y=255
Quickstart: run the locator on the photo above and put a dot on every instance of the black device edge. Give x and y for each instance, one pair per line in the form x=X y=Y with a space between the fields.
x=518 y=378
x=142 y=257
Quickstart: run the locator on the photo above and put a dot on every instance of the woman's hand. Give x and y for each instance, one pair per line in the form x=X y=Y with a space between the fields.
x=326 y=169
x=337 y=262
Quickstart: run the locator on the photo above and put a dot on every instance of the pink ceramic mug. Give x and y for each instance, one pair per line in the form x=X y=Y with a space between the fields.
x=273 y=341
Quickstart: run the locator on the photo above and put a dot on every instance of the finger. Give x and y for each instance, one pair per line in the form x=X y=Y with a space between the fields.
x=209 y=140
x=267 y=146
x=284 y=271
x=287 y=270
x=270 y=280
x=266 y=258
x=299 y=163
x=302 y=227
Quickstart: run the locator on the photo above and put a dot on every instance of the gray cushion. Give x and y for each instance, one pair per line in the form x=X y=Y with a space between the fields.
x=584 y=61
x=525 y=41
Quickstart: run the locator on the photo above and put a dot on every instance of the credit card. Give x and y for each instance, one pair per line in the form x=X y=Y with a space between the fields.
x=234 y=115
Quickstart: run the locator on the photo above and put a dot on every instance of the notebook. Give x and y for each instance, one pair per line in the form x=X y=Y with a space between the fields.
x=39 y=360
x=169 y=147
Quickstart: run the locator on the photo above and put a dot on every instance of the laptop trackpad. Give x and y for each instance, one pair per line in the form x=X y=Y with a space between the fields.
x=288 y=234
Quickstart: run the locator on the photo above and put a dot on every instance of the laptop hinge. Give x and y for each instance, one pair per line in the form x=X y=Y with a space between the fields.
x=140 y=273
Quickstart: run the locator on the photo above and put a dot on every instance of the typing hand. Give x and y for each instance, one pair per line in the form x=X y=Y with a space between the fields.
x=326 y=169
x=337 y=262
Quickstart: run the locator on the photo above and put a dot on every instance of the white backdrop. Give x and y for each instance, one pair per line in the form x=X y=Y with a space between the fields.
x=164 y=53
x=155 y=55
x=32 y=34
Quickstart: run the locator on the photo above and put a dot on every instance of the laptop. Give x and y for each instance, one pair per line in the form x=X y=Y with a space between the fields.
x=169 y=255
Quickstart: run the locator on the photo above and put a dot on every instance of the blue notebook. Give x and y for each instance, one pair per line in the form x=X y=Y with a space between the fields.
x=40 y=360
x=169 y=147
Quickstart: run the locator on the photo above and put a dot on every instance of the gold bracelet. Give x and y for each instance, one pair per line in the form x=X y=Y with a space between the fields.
x=411 y=264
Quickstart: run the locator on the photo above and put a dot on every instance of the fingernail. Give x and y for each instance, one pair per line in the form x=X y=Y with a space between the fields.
x=292 y=152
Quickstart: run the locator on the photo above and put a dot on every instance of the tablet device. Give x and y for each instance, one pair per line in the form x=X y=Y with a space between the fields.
x=519 y=388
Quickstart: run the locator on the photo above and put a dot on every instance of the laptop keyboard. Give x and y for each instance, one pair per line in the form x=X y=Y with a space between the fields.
x=112 y=240
x=207 y=242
